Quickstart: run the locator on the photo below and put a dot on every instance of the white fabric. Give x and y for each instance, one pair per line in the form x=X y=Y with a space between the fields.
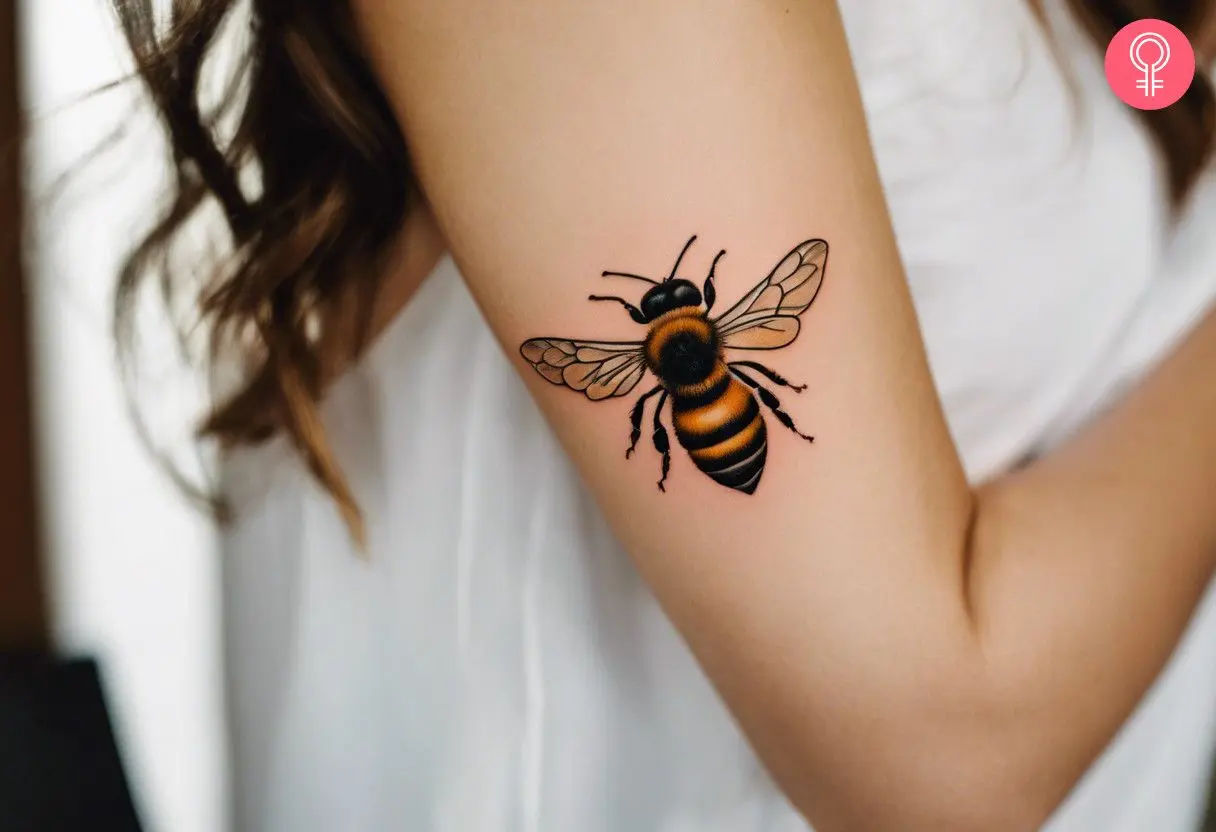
x=498 y=666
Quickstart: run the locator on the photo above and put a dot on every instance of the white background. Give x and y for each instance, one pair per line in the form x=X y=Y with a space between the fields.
x=132 y=569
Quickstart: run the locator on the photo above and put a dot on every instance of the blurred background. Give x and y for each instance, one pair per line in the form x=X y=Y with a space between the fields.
x=128 y=568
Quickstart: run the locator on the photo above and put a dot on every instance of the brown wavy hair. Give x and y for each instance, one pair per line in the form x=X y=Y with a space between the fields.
x=309 y=168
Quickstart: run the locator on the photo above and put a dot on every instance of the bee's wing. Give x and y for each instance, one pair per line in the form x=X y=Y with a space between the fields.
x=767 y=316
x=597 y=369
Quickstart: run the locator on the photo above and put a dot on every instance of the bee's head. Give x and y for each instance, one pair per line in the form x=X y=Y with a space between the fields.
x=669 y=295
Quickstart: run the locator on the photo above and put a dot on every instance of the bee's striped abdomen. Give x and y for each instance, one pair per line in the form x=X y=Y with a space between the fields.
x=719 y=423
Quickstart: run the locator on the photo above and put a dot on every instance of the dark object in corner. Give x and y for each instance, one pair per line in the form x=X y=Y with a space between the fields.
x=59 y=766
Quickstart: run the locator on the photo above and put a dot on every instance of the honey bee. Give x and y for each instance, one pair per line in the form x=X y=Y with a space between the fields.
x=714 y=407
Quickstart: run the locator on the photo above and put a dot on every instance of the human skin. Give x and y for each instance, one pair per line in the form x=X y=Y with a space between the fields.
x=903 y=650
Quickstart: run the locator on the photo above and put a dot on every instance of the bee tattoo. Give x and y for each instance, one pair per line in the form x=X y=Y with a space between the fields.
x=714 y=407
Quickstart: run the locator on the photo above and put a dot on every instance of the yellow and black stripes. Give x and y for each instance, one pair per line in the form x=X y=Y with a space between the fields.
x=719 y=423
x=715 y=404
x=715 y=415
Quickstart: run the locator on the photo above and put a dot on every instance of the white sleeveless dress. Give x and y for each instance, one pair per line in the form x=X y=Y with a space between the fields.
x=498 y=666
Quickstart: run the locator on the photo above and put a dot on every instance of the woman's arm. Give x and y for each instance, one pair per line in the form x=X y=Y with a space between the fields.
x=903 y=653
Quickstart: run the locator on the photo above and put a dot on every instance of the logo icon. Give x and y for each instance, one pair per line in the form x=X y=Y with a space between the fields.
x=1150 y=83
x=1150 y=64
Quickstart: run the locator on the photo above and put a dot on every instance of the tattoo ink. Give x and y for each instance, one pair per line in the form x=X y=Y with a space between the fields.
x=715 y=402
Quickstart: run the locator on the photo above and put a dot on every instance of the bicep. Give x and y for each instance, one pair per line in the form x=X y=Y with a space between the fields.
x=557 y=141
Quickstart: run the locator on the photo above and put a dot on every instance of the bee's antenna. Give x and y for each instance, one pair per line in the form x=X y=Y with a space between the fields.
x=676 y=267
x=632 y=276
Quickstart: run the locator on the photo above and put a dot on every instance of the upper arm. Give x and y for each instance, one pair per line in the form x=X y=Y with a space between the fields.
x=558 y=140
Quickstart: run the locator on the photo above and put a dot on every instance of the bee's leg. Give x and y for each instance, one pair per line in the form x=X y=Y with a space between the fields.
x=661 y=442
x=771 y=375
x=633 y=311
x=710 y=293
x=770 y=401
x=635 y=419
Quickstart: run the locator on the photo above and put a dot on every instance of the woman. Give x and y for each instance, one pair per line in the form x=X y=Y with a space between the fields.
x=934 y=616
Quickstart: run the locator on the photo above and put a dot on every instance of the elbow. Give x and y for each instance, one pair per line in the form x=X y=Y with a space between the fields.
x=965 y=794
x=989 y=803
x=956 y=762
x=977 y=795
x=966 y=738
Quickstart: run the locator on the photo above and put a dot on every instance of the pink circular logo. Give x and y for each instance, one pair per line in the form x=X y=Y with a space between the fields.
x=1150 y=64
